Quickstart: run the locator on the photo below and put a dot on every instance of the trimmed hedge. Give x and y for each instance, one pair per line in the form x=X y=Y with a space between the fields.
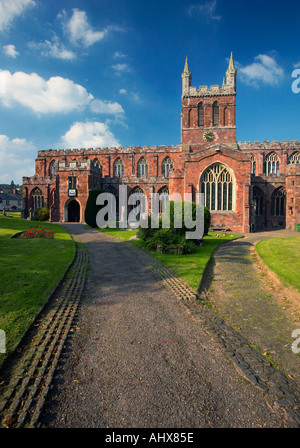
x=92 y=209
x=41 y=214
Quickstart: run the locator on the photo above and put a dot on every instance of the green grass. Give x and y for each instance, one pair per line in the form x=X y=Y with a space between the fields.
x=282 y=256
x=189 y=267
x=30 y=270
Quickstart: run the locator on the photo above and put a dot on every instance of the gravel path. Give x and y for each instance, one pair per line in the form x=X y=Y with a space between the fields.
x=138 y=359
x=246 y=298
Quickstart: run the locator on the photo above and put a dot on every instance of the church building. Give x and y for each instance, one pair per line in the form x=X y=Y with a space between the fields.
x=247 y=186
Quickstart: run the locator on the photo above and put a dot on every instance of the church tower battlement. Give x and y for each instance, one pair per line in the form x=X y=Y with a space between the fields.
x=208 y=114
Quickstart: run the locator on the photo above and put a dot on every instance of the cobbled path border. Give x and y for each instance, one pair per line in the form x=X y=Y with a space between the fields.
x=24 y=395
x=282 y=393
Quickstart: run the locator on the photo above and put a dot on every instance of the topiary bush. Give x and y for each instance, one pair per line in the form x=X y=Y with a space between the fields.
x=91 y=208
x=41 y=214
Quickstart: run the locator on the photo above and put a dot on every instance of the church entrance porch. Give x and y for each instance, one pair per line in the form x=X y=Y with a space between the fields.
x=72 y=211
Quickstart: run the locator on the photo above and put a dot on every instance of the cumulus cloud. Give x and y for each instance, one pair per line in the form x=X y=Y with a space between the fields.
x=55 y=95
x=122 y=68
x=206 y=11
x=91 y=134
x=79 y=30
x=54 y=49
x=10 y=50
x=264 y=70
x=16 y=159
x=9 y=9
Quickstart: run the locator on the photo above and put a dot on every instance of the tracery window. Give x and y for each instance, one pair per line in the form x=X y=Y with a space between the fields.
x=216 y=114
x=167 y=165
x=253 y=165
x=200 y=115
x=217 y=186
x=37 y=199
x=278 y=202
x=272 y=164
x=142 y=168
x=258 y=201
x=118 y=168
x=141 y=199
x=52 y=170
x=163 y=198
x=97 y=165
x=295 y=158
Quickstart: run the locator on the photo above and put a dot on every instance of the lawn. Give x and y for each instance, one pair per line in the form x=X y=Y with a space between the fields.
x=282 y=256
x=189 y=267
x=30 y=269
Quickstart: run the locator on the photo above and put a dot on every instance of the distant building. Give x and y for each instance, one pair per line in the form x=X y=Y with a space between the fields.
x=11 y=202
x=247 y=186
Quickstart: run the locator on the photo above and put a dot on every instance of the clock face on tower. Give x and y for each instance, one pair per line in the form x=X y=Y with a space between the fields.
x=209 y=136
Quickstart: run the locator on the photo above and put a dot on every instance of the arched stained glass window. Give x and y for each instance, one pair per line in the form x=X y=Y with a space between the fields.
x=278 y=202
x=253 y=165
x=52 y=170
x=118 y=168
x=217 y=186
x=167 y=165
x=272 y=164
x=142 y=168
x=97 y=165
x=258 y=201
x=37 y=199
x=163 y=198
x=294 y=158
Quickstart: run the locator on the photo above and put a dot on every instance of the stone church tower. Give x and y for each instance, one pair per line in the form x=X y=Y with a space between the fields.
x=208 y=114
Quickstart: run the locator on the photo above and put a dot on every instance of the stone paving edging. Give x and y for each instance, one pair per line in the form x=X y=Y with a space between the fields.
x=24 y=396
x=281 y=393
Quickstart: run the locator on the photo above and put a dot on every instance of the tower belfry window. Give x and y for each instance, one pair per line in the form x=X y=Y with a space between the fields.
x=200 y=115
x=215 y=114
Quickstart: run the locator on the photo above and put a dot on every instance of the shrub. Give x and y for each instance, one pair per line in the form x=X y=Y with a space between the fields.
x=183 y=229
x=92 y=209
x=41 y=214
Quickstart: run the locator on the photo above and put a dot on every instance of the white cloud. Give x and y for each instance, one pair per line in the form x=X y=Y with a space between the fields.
x=10 y=50
x=297 y=65
x=56 y=95
x=79 y=30
x=118 y=55
x=122 y=68
x=16 y=159
x=106 y=107
x=54 y=49
x=9 y=9
x=122 y=91
x=264 y=70
x=206 y=10
x=90 y=134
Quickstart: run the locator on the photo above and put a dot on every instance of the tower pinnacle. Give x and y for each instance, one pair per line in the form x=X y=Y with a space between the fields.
x=186 y=78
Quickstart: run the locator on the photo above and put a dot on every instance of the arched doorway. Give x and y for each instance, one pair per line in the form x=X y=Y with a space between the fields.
x=73 y=209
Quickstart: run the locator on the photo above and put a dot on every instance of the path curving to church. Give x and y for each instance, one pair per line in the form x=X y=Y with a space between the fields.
x=264 y=312
x=138 y=359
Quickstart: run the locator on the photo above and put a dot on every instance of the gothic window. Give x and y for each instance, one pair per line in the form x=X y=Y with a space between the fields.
x=167 y=165
x=163 y=198
x=225 y=116
x=52 y=170
x=142 y=168
x=253 y=165
x=200 y=115
x=37 y=199
x=73 y=164
x=217 y=186
x=97 y=165
x=258 y=201
x=278 y=202
x=272 y=164
x=216 y=114
x=140 y=199
x=118 y=168
x=295 y=157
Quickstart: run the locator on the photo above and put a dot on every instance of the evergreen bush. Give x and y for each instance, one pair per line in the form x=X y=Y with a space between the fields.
x=92 y=209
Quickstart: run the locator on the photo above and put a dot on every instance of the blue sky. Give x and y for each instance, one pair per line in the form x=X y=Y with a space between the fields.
x=99 y=73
